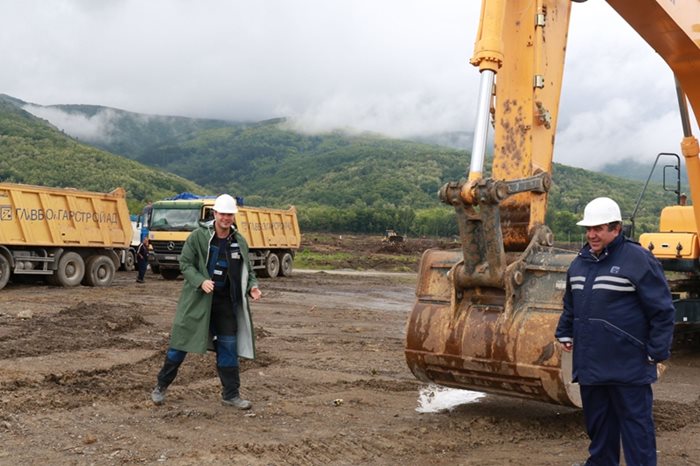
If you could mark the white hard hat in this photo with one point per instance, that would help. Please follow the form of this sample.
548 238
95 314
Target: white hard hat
600 211
225 204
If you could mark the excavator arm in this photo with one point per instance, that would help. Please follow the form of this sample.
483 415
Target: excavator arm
523 44
485 316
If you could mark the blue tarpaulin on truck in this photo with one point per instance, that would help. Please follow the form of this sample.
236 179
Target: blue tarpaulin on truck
187 195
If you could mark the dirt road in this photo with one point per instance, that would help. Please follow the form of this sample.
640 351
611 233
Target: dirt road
330 386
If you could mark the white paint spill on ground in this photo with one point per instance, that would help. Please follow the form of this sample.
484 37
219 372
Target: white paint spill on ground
436 399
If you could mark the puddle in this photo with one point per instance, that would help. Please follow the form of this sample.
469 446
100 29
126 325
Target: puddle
436 399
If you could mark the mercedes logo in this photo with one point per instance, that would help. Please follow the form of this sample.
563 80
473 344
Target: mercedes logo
171 246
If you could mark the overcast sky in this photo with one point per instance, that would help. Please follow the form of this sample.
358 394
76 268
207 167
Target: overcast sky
399 67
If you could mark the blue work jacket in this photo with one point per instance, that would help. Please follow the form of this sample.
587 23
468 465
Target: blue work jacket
618 313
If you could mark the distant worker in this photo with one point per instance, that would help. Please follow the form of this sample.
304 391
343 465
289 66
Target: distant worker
618 318
142 259
683 199
213 305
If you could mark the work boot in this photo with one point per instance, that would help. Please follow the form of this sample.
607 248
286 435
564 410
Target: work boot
231 383
158 394
237 402
165 378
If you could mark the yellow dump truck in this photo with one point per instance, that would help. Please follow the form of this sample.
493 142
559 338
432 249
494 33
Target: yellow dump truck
272 234
66 235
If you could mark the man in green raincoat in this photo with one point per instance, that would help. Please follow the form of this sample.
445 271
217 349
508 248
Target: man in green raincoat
213 305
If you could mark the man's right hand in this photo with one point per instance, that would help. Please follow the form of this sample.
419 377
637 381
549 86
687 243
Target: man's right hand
566 346
207 286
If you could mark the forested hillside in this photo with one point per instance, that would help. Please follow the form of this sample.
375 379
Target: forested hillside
338 181
276 164
34 152
133 135
355 182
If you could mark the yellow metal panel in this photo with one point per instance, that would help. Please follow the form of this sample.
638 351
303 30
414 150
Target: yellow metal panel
672 29
671 245
54 217
528 89
677 219
269 228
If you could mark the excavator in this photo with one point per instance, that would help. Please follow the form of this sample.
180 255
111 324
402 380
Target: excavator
485 315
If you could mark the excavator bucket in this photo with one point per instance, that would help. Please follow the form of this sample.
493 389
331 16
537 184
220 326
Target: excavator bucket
489 339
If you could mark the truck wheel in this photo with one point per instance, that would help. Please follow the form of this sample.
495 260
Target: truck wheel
4 271
170 274
71 269
129 262
272 266
286 264
99 271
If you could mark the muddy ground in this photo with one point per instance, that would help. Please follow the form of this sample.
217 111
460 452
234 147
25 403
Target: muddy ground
329 386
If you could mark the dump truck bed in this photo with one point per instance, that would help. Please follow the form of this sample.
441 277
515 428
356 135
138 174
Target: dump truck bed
269 228
60 217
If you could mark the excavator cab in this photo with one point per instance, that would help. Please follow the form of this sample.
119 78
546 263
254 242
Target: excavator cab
485 315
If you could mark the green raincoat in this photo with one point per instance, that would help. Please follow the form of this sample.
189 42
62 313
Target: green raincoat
190 330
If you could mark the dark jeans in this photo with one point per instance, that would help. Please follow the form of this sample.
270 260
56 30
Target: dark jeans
142 266
226 352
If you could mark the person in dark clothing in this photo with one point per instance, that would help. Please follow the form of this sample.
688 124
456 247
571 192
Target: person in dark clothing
142 259
618 319
213 307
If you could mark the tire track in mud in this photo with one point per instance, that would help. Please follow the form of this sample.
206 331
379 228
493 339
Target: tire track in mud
338 449
364 443
671 416
82 326
81 354
286 387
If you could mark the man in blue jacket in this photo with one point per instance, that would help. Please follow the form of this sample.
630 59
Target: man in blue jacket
618 319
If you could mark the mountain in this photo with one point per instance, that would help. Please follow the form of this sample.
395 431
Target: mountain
338 181
666 168
276 163
454 139
32 151
118 131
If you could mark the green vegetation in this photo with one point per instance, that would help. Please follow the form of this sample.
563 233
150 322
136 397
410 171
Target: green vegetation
275 164
133 135
359 183
360 261
33 152
321 260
